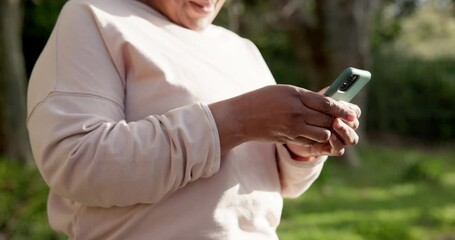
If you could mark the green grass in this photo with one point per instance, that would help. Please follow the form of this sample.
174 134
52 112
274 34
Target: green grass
397 193
23 203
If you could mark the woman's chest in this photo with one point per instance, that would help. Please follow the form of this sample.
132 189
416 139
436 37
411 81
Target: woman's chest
170 74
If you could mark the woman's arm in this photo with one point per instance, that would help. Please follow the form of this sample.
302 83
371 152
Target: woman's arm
85 149
310 125
279 113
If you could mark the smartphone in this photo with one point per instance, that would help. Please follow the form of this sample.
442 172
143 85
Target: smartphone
348 84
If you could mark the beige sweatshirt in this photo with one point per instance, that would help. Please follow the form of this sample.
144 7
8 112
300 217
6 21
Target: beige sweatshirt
121 131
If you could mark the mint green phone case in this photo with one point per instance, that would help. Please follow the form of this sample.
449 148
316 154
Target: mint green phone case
348 84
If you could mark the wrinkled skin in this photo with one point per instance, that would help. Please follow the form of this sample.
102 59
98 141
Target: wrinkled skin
309 123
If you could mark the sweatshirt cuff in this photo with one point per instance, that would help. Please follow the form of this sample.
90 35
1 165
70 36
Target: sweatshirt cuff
215 135
195 139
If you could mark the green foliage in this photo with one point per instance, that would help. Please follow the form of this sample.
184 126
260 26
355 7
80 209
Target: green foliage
276 48
367 203
413 98
383 230
372 202
387 24
430 171
427 34
413 74
40 15
412 88
258 23
39 20
23 203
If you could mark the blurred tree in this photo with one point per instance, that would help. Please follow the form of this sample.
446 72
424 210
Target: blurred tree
414 53
427 33
328 36
13 135
39 20
387 23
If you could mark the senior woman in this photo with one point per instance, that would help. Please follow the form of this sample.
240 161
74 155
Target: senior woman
148 122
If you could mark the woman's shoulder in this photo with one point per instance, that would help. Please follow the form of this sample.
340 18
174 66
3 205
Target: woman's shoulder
113 6
97 2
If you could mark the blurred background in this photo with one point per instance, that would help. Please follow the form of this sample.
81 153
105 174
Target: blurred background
397 184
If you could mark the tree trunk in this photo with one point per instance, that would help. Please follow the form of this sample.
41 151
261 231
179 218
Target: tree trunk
329 36
234 11
14 144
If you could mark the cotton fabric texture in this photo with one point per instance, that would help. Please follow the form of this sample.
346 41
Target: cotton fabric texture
121 131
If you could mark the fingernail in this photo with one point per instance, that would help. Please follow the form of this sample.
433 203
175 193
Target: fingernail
351 116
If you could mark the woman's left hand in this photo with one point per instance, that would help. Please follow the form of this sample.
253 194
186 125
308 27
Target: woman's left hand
343 135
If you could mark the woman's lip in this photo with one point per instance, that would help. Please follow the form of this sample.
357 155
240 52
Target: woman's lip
201 7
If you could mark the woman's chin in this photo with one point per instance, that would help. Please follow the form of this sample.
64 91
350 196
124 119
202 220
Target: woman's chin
199 25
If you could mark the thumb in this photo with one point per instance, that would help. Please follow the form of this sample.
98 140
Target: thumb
327 105
322 91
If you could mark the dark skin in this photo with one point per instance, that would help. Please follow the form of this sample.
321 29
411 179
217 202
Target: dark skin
311 124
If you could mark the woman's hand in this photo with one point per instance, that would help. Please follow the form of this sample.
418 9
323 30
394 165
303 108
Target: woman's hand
343 135
284 113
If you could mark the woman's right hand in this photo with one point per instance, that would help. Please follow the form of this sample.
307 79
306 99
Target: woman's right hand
278 113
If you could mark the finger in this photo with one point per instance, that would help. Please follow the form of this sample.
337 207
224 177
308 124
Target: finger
327 105
346 134
356 109
316 134
304 141
318 149
322 91
337 146
354 124
318 119
321 149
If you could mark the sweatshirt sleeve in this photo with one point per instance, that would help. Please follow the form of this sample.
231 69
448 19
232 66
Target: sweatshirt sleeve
85 149
296 177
